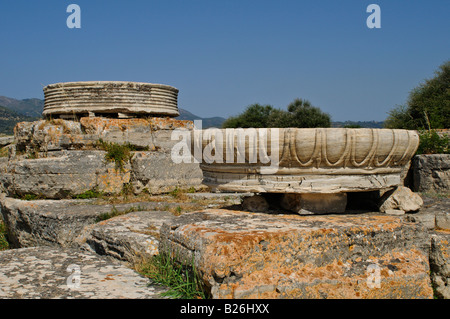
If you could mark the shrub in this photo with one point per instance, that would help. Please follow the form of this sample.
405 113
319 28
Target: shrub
432 143
428 105
3 241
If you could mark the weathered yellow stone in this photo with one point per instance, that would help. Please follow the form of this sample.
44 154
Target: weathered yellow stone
253 255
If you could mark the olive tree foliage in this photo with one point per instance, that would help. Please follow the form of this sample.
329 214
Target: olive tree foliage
428 105
300 113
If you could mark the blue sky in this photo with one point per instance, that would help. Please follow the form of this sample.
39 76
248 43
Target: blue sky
225 55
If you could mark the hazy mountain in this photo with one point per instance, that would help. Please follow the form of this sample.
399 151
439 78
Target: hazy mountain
206 122
9 119
32 108
27 107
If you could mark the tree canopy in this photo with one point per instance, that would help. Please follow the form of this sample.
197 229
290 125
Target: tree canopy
428 105
300 113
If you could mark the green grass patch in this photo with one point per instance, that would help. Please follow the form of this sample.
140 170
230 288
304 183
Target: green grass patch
4 152
120 154
92 193
4 245
184 282
29 197
115 212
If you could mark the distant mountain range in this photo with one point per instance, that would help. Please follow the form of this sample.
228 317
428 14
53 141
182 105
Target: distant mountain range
27 107
13 111
206 121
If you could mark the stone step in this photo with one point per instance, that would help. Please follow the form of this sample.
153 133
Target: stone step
50 273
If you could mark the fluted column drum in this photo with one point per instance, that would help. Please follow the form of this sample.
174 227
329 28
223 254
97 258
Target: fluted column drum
104 97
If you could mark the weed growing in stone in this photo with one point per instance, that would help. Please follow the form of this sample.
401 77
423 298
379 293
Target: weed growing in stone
4 152
120 154
4 245
91 193
184 282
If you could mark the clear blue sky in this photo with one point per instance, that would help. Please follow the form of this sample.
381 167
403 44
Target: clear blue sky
224 55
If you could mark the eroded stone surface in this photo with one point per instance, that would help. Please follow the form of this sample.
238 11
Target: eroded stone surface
440 264
250 255
50 273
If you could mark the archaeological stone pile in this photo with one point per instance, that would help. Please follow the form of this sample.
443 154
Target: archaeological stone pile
313 213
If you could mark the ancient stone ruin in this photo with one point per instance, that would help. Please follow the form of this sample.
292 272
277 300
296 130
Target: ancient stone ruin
277 224
64 155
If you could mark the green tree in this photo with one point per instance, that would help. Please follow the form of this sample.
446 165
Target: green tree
256 115
300 113
303 114
428 105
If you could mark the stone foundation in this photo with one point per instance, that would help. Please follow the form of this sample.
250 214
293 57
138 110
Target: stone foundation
62 159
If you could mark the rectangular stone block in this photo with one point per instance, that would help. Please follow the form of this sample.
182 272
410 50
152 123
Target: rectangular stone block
431 173
157 173
253 255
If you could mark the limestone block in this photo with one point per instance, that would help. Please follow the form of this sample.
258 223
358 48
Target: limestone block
72 173
431 173
443 220
46 222
157 173
242 255
57 134
402 198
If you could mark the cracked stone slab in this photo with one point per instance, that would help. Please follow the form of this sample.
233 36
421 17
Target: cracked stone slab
54 273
